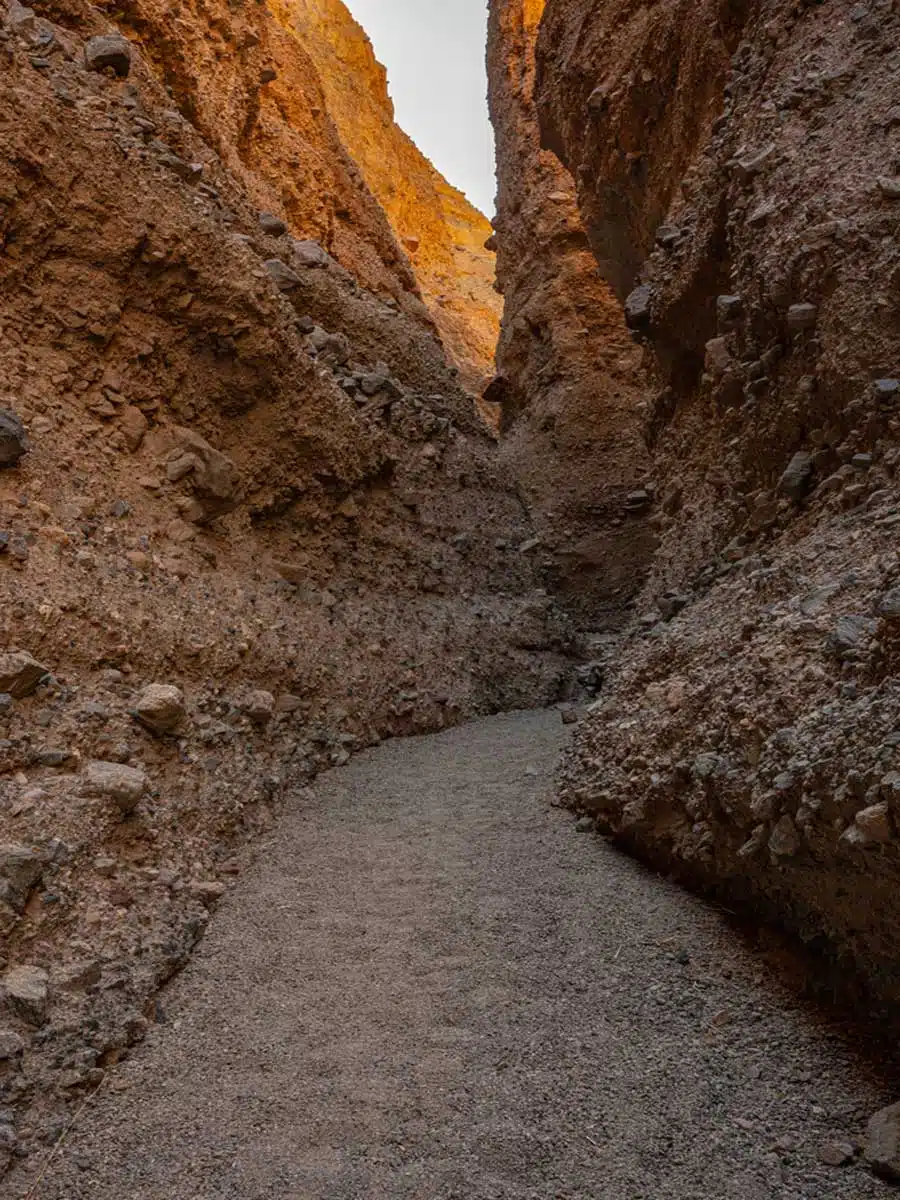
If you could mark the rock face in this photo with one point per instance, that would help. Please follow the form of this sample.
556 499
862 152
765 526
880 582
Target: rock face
291 98
567 388
258 527
440 233
748 740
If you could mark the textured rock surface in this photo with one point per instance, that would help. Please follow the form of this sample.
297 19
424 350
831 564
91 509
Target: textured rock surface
728 159
230 489
567 387
439 231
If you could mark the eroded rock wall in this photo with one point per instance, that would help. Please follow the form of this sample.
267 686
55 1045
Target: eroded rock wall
442 234
251 477
738 169
567 368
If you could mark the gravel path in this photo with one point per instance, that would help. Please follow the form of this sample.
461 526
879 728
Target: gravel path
428 985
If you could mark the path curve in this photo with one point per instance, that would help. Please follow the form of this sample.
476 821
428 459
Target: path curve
429 986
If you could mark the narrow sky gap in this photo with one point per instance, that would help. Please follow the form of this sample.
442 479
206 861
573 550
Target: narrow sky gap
434 51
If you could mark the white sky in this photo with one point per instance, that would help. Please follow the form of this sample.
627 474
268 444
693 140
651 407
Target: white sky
434 51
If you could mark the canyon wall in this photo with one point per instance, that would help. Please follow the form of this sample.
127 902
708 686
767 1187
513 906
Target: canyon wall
249 519
738 176
566 383
442 234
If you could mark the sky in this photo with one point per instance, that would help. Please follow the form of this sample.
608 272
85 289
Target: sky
434 52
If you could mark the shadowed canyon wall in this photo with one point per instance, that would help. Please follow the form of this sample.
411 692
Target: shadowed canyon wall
737 169
567 368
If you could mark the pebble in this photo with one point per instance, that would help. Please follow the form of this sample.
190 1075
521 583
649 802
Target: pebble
11 1045
836 1154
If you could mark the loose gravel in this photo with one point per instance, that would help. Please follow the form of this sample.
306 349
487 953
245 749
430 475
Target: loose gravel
429 985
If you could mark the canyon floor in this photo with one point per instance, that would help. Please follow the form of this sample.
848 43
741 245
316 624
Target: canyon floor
430 982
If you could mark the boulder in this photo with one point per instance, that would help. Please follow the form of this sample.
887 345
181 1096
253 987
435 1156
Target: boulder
114 781
160 708
20 674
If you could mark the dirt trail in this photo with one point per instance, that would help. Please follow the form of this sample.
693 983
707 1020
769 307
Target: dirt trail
429 985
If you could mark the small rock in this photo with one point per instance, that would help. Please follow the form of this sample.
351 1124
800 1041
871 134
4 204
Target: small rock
20 674
21 867
569 715
109 51
260 706
802 316
887 391
882 1150
638 307
784 840
11 1045
889 604
310 254
861 462
871 826
848 635
134 426
208 892
160 707
6 703
13 442
281 274
268 75
24 990
889 187
272 225
836 1154
585 825
729 308
114 781
796 480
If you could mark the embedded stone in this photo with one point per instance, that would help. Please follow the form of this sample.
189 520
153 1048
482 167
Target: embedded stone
160 708
109 51
114 781
20 674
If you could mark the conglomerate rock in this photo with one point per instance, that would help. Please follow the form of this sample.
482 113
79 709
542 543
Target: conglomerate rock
729 160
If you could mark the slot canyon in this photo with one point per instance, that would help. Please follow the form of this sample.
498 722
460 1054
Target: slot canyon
450 662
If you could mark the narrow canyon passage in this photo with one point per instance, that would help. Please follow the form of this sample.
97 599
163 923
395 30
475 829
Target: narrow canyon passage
430 984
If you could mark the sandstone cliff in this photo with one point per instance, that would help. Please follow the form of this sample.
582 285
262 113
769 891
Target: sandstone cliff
737 169
567 368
